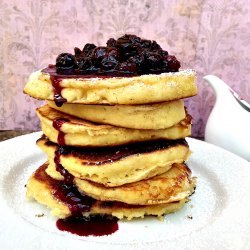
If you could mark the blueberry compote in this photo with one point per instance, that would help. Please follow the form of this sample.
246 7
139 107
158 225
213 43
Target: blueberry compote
97 225
127 56
66 193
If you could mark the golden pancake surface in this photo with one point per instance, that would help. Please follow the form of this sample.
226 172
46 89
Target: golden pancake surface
150 116
116 166
174 185
79 132
42 188
116 90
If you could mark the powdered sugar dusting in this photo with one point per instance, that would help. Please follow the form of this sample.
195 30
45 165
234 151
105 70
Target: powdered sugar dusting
183 72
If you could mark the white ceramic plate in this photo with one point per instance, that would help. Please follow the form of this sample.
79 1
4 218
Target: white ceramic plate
218 216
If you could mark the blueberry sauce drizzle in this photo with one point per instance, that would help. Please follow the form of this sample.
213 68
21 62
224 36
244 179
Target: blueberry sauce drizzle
68 193
68 178
57 124
56 83
77 203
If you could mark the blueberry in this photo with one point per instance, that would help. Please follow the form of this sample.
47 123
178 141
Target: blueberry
155 46
123 43
153 60
127 67
65 60
114 53
146 43
134 39
139 60
65 63
108 63
99 53
162 52
88 48
111 42
106 57
126 42
171 63
77 51
84 64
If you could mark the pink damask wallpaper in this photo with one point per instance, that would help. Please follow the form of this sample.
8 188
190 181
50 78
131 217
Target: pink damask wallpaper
212 37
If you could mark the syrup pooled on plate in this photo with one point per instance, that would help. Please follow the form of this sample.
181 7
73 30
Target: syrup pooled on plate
77 203
95 225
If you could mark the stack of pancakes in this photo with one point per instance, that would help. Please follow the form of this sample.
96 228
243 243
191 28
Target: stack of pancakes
117 142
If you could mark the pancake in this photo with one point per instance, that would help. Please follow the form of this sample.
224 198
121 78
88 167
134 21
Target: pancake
174 185
114 90
79 132
114 166
154 116
44 190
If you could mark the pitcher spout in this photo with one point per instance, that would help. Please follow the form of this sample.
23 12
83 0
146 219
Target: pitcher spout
217 85
228 123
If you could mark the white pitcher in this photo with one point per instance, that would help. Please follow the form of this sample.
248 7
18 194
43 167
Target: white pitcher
228 125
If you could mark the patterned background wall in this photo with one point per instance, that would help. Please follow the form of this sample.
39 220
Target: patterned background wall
212 37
